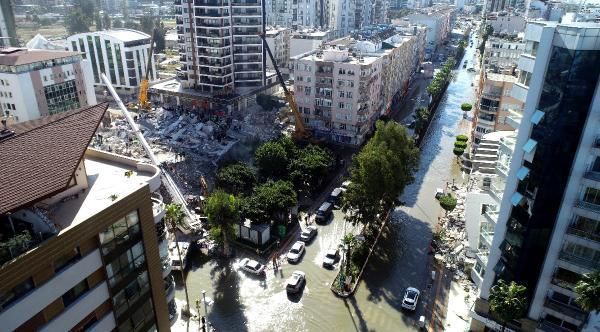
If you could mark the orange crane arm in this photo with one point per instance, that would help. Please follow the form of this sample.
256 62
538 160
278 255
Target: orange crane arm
299 122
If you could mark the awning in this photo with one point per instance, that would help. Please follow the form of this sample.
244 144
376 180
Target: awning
537 117
522 173
516 199
530 145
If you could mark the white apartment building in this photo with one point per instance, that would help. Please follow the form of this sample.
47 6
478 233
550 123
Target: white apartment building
295 14
437 19
502 53
219 45
278 40
307 41
510 24
35 83
547 225
121 54
343 89
341 17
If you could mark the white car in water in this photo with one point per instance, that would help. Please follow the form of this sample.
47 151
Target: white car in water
295 282
331 257
297 250
308 234
411 297
252 266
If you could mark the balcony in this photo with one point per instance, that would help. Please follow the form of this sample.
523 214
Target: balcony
213 33
211 23
165 263
248 3
586 263
587 206
169 288
496 193
547 326
212 13
508 144
211 3
565 309
158 208
238 32
487 237
491 216
245 12
213 43
591 175
583 234
514 119
563 283
214 53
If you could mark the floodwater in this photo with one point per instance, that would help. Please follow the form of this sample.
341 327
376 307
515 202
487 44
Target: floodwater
245 303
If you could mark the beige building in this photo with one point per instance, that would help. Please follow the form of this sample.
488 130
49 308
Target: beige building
342 90
80 232
496 105
278 40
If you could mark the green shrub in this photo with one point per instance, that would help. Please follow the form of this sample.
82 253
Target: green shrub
460 145
462 138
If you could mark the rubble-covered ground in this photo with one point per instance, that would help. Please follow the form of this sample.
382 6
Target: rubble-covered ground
189 144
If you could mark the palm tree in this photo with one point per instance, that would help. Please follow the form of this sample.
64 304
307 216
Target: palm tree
173 218
348 243
223 211
508 301
588 289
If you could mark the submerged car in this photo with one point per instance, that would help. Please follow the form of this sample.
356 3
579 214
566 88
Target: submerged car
252 266
295 282
330 258
297 250
308 234
411 297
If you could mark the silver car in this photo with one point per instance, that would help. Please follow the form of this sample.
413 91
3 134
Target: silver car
293 256
295 282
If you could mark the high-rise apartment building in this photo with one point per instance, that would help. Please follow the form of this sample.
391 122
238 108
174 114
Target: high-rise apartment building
35 83
219 45
121 54
547 223
340 17
80 232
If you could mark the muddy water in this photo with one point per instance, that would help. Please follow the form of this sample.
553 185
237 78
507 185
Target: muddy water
244 303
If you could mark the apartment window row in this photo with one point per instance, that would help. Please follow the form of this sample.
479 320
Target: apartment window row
9 106
325 92
525 78
119 232
304 67
6 94
126 263
4 82
343 116
66 74
345 83
323 102
128 296
61 97
345 106
16 293
345 94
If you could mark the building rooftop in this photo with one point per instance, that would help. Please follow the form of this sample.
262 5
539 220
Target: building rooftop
20 56
124 35
273 31
41 158
310 34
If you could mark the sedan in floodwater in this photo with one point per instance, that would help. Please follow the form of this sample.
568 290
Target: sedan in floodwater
411 296
308 234
252 266
296 252
295 282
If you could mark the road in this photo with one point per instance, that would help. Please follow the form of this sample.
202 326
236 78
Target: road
245 303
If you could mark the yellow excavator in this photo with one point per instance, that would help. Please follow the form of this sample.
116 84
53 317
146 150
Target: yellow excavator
144 103
300 132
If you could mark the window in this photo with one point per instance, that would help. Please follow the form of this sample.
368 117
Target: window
592 195
307 90
67 259
16 293
74 293
61 97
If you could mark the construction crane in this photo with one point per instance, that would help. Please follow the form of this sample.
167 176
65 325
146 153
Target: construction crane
167 180
300 132
143 101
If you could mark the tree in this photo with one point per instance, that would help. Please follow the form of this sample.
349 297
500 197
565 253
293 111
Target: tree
271 159
147 24
272 199
508 301
421 120
466 107
310 167
458 152
238 178
117 24
348 244
462 138
588 289
159 38
98 21
447 202
106 21
460 145
223 211
174 217
77 22
379 173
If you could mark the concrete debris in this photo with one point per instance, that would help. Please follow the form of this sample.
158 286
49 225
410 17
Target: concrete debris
189 144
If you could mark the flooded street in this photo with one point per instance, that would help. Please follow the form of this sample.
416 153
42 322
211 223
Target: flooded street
246 303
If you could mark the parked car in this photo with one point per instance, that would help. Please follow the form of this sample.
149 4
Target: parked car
295 282
296 252
324 212
308 234
345 184
411 297
252 266
335 196
331 257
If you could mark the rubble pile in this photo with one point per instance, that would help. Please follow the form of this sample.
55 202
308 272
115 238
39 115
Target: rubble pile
189 144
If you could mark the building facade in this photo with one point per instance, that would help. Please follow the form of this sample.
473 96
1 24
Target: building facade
79 254
341 17
437 20
546 232
510 24
278 40
307 41
502 53
35 83
219 45
121 54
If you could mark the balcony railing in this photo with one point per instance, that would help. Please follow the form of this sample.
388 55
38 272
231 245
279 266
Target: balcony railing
584 262
216 3
591 175
583 234
565 309
245 2
562 283
587 206
547 326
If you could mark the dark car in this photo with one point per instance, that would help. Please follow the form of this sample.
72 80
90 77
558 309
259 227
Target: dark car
324 212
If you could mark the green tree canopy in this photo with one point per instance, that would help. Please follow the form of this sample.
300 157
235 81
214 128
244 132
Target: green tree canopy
462 138
174 217
458 152
117 24
379 173
460 145
447 202
310 167
271 159
508 301
223 212
238 178
270 200
466 107
98 20
106 22
588 289
77 22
